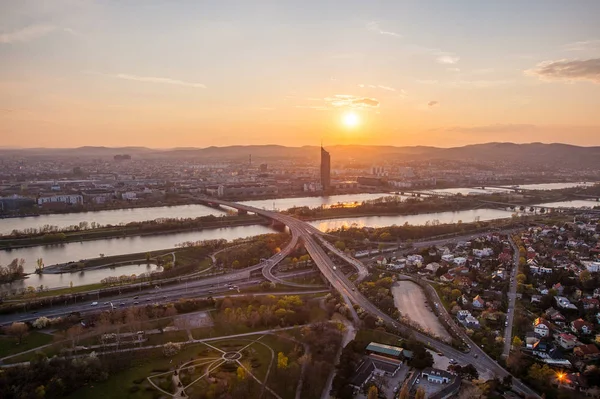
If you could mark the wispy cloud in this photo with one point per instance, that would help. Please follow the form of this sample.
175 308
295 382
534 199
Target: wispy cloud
567 70
582 45
347 100
152 79
447 59
343 101
374 27
433 103
382 87
26 34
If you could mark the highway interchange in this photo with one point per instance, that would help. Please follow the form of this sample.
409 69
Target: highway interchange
302 233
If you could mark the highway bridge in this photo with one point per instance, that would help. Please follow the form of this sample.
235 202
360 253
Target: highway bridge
308 235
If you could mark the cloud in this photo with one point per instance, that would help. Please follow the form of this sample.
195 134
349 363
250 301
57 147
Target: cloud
432 103
582 45
346 100
374 27
386 88
567 70
151 79
494 128
447 59
26 34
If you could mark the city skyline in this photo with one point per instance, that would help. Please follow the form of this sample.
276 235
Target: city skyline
92 73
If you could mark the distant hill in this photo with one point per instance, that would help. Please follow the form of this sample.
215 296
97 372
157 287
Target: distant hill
550 155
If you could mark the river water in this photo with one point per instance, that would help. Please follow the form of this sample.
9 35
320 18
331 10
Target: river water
74 251
63 253
118 216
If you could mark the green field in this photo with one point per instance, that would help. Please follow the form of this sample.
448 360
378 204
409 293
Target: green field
8 345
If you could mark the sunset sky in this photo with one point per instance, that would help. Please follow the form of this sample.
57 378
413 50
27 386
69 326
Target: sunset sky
166 73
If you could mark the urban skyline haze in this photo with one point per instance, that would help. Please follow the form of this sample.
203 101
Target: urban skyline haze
198 73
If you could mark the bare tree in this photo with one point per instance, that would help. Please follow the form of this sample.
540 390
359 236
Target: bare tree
18 330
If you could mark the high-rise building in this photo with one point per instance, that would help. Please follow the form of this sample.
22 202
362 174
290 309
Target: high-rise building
325 169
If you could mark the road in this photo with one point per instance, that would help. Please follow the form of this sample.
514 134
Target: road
348 291
212 286
512 299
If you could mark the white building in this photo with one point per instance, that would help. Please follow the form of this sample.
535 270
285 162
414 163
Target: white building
66 199
129 195
592 267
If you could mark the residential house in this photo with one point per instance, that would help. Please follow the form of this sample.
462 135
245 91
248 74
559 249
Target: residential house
559 288
460 261
587 352
567 341
448 258
596 293
590 303
564 303
536 298
478 302
541 327
471 322
432 267
447 278
463 300
463 314
554 315
581 326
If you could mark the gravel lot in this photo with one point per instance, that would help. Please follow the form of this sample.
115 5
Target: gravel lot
411 302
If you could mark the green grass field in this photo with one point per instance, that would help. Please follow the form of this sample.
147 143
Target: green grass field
8 345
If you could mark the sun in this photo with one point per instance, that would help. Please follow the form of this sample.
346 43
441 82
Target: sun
350 119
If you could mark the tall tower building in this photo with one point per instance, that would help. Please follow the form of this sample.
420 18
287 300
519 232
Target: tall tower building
325 169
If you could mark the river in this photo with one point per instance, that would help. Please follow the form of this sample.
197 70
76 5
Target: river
74 251
118 216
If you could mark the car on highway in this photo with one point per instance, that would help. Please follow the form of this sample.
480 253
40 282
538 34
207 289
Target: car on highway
105 303
136 297
94 303
122 304
136 303
334 268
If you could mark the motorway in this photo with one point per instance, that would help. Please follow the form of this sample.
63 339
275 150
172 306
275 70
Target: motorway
212 286
512 299
347 290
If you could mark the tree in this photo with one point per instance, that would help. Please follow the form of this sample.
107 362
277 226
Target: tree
282 361
404 392
420 394
171 349
18 330
517 342
373 392
585 276
235 264
340 245
521 278
241 373
41 322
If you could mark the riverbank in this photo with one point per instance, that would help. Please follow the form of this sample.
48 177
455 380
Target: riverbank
107 261
8 243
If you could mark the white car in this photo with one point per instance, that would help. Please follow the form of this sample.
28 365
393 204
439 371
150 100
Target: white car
94 303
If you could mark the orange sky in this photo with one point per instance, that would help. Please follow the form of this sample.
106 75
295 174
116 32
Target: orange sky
161 74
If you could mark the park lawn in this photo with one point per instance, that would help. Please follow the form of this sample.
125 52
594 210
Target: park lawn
118 385
8 345
168 336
